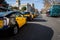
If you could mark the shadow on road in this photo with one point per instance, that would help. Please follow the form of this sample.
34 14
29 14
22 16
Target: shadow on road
54 17
39 20
32 31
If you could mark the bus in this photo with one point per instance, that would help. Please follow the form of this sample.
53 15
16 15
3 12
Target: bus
54 10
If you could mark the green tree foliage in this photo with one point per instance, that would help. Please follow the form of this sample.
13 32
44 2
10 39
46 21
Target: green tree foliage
23 8
14 8
3 3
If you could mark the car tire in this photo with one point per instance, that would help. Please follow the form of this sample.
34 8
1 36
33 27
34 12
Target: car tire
31 18
15 30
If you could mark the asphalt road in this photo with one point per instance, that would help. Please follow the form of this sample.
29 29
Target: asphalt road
41 28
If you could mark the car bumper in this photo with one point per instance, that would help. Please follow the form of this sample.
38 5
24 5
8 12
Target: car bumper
5 32
4 28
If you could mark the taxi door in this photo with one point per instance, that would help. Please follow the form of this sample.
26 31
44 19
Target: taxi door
19 20
23 20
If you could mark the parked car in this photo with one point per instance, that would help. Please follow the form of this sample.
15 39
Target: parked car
12 20
36 14
28 15
54 11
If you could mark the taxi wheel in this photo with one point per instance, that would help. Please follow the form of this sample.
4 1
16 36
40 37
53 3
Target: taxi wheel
15 30
31 18
14 26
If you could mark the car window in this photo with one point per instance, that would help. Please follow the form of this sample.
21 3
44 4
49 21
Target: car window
26 12
18 14
12 15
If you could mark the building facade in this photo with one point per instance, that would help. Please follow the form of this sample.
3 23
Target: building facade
18 3
29 7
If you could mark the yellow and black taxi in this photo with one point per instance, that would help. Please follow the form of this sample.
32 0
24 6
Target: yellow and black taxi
28 15
36 14
12 20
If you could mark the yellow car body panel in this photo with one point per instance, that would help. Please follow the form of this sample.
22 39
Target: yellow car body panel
27 15
32 16
35 15
21 21
1 23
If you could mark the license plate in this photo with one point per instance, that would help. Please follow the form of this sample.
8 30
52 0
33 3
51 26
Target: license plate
1 23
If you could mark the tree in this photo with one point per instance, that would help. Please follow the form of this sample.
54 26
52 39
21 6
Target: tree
14 8
3 3
23 8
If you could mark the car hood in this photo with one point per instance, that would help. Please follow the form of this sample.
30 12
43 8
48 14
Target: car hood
2 14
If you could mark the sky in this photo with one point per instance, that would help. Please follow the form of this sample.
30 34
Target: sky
38 3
